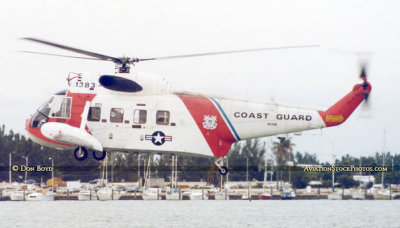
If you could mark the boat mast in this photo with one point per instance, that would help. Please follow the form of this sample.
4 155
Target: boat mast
383 159
265 174
9 165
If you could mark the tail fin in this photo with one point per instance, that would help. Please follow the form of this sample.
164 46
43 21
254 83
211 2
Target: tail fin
341 110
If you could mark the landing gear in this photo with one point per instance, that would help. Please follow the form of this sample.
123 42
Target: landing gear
80 153
99 155
223 170
220 164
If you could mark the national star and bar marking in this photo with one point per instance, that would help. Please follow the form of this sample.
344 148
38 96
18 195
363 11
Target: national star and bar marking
158 138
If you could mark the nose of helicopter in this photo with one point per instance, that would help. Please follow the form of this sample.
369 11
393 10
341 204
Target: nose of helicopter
33 133
28 123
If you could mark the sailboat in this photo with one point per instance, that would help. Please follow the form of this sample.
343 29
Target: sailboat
41 195
382 193
18 195
334 195
107 192
198 195
87 194
173 192
287 192
149 193
358 194
265 195
221 195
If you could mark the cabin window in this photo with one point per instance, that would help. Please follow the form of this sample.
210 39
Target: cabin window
94 114
162 117
139 116
61 107
116 115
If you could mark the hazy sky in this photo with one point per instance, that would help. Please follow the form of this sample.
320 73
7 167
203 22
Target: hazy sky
315 77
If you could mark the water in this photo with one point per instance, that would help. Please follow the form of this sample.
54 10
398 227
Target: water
134 213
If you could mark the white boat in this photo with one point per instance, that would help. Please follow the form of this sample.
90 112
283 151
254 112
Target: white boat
172 194
108 193
198 195
41 195
288 195
245 196
17 195
87 194
335 196
358 195
382 194
8 191
221 196
150 194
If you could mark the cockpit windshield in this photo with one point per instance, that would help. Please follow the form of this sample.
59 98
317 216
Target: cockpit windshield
58 106
45 108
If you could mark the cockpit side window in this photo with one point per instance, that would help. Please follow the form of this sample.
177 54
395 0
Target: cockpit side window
117 115
94 114
61 107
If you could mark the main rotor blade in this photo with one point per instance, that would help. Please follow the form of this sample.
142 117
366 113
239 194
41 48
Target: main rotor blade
68 56
92 54
224 52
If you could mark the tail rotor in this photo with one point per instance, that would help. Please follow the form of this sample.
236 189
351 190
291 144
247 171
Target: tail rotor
364 64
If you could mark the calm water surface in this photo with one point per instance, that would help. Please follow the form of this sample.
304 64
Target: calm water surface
274 213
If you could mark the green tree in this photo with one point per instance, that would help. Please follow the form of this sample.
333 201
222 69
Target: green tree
282 150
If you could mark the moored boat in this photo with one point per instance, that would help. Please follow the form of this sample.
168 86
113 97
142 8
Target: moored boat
17 195
108 193
358 195
221 196
172 194
382 194
40 195
265 196
198 195
335 196
87 194
288 195
150 194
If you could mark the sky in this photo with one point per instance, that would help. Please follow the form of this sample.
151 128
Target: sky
315 77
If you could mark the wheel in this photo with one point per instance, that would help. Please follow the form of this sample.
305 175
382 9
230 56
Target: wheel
99 155
223 170
80 153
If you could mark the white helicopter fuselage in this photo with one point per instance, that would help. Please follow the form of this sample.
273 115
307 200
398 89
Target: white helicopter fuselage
157 120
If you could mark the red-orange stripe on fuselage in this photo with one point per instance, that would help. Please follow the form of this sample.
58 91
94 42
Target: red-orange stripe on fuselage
220 138
78 105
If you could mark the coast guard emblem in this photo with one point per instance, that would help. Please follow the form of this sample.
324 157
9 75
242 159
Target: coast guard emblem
210 122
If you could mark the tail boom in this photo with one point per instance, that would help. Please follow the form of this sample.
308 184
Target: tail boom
341 110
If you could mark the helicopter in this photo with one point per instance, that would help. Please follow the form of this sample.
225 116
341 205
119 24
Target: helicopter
135 112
